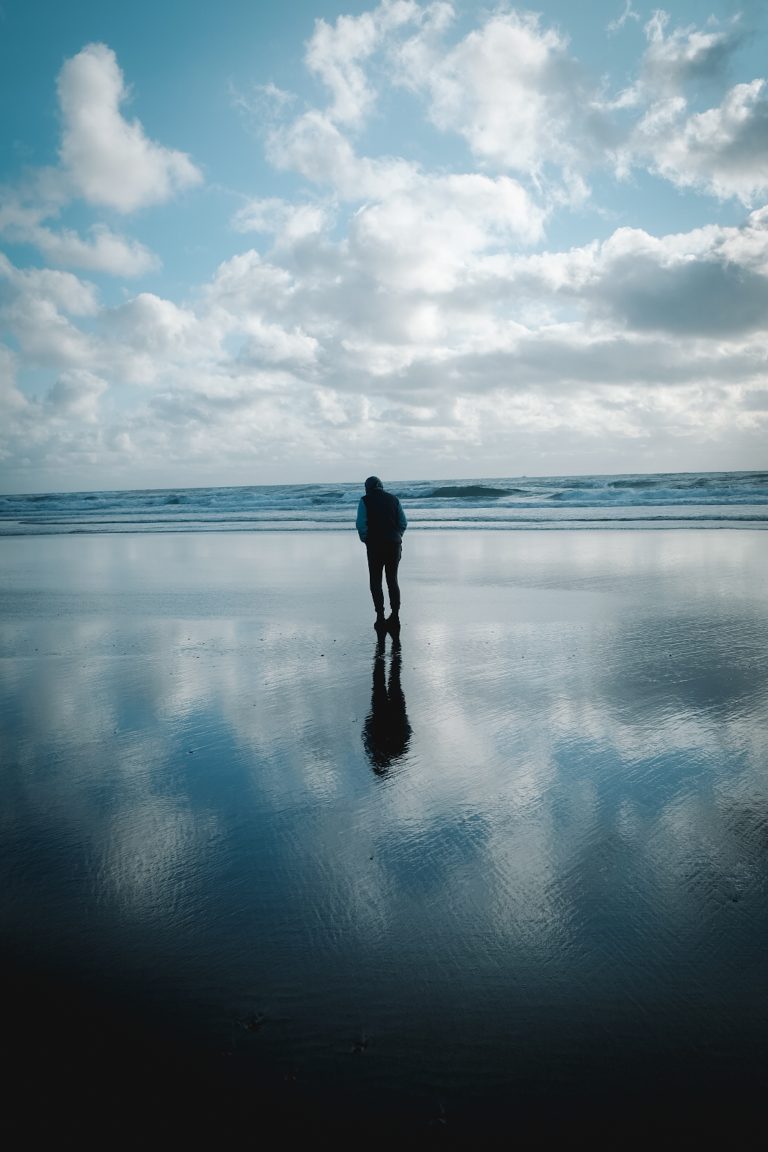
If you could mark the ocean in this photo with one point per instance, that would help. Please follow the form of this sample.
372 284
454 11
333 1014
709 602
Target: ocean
672 500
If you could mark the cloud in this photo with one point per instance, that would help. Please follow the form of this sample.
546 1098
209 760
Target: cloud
33 304
720 151
424 239
675 59
272 344
423 333
62 289
723 151
627 15
247 282
262 102
706 282
315 148
154 325
234 330
403 305
708 298
103 250
108 159
337 53
510 89
149 341
290 224
757 400
45 337
11 399
77 393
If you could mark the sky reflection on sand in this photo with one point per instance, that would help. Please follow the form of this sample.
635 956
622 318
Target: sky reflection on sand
567 807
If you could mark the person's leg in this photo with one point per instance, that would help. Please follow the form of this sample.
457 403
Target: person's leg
375 569
391 564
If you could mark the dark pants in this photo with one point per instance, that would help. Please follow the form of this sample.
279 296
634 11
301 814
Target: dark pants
384 558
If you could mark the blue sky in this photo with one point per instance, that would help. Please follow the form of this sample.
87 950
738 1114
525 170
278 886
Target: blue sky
257 243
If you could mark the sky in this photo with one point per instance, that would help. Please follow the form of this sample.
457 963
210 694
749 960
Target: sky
256 243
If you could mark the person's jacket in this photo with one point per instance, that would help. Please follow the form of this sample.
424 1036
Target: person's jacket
380 518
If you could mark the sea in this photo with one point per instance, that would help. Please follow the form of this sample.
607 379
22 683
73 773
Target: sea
663 500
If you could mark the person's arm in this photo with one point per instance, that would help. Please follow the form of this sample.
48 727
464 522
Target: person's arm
362 520
402 523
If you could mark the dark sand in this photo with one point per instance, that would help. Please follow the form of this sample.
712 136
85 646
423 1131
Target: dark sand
512 877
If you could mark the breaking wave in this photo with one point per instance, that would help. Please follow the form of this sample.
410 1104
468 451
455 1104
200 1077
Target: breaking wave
531 502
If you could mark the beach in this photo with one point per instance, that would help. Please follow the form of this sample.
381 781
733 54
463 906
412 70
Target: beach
509 867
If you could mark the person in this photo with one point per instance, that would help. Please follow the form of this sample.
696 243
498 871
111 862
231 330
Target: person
380 525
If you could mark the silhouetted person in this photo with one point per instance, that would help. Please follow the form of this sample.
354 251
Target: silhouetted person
386 731
380 525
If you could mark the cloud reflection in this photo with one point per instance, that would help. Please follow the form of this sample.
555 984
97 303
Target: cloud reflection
586 787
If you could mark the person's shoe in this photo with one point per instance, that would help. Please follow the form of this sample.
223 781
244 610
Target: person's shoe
393 622
379 622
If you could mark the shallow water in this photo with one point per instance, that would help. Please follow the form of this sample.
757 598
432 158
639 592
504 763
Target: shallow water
519 857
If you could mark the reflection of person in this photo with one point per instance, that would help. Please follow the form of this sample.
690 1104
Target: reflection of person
386 732
380 525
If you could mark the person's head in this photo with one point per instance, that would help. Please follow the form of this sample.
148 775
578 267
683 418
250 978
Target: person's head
372 483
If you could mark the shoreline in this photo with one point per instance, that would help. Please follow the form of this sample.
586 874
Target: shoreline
704 519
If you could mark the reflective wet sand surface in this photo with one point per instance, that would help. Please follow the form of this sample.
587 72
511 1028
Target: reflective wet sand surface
507 868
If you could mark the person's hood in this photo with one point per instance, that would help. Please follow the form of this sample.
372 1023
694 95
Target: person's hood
372 483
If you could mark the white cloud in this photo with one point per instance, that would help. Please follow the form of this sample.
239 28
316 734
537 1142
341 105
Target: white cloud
627 15
64 290
44 336
151 323
690 284
247 281
723 151
32 307
337 54
423 240
77 393
23 213
720 151
705 282
148 340
409 349
273 344
509 88
290 224
105 159
315 148
673 60
399 306
262 102
108 159
231 333
103 251
11 399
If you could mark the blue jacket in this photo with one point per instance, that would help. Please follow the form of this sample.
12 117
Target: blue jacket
380 518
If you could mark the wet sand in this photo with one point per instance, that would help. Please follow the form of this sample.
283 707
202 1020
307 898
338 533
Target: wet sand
509 870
